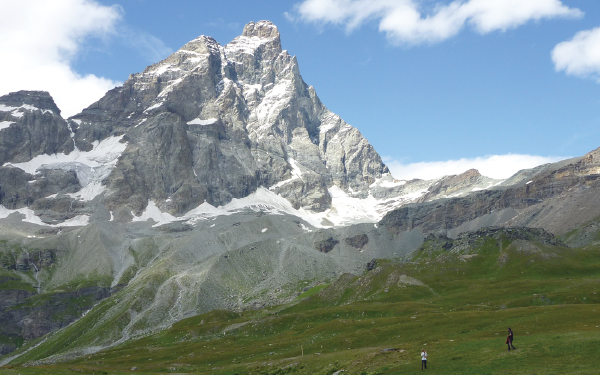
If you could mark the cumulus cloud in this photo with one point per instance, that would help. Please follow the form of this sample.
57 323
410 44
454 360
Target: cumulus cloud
40 39
579 56
407 22
495 166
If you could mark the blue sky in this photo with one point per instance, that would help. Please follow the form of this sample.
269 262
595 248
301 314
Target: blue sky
436 86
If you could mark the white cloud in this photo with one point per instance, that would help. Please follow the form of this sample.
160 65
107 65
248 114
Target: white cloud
40 39
495 166
579 56
405 22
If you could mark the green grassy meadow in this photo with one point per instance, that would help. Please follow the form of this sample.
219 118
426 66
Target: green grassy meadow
456 306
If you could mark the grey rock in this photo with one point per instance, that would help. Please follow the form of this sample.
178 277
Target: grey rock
20 189
12 297
37 127
6 348
34 317
327 245
358 241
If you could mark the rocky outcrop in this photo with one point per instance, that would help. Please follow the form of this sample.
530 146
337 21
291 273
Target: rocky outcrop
33 260
20 189
12 297
473 242
30 316
358 241
449 185
25 313
31 128
327 245
31 125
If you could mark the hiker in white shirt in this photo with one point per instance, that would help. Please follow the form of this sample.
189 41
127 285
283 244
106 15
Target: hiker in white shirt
423 359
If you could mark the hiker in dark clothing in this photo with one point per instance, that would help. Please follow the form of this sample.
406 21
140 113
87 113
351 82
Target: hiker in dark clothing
509 339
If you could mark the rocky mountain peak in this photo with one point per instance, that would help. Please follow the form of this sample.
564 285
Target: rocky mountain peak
261 29
31 125
30 100
471 173
256 51
592 157
202 45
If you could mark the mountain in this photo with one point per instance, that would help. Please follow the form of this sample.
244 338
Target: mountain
216 179
211 123
208 124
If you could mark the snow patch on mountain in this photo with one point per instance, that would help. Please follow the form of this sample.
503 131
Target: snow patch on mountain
162 69
15 110
152 212
345 210
77 221
205 209
103 153
91 166
170 87
274 101
296 174
31 217
387 181
89 191
6 124
245 44
198 121
154 106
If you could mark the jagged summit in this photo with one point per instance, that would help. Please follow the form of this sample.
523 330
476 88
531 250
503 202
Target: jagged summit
236 118
261 29
30 124
30 100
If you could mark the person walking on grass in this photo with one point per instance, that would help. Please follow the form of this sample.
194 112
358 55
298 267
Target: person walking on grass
509 339
423 360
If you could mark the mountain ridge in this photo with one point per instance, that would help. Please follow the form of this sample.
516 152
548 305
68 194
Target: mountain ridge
209 124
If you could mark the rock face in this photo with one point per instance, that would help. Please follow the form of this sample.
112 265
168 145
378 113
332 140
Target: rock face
327 245
358 241
25 312
211 123
25 316
31 125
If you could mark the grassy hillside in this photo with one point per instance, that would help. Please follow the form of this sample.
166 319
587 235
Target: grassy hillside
455 298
